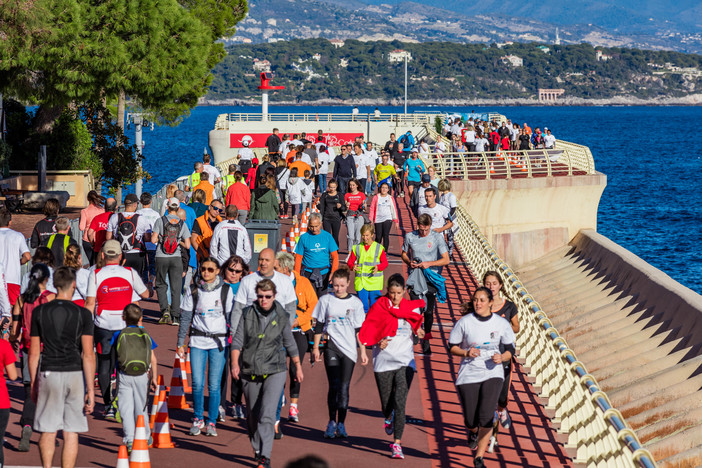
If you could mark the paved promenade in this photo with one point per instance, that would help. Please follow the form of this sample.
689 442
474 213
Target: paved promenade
434 437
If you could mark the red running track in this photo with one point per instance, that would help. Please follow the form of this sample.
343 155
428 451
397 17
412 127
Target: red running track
434 436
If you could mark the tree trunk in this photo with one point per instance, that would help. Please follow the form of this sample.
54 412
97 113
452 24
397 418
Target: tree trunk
45 118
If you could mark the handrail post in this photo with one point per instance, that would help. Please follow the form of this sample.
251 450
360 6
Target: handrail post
508 169
548 165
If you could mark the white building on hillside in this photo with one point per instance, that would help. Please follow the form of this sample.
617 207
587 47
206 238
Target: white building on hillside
398 55
513 60
337 43
261 65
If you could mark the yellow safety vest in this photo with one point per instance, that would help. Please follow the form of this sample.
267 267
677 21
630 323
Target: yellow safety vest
227 181
368 259
193 179
66 241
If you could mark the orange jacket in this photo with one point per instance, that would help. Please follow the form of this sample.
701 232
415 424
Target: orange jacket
239 194
301 167
208 188
203 250
306 301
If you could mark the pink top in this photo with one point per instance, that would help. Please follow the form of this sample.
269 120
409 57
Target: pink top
86 217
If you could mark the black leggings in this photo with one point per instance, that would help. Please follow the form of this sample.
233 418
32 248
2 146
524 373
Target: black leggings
285 202
429 309
382 233
397 184
479 402
332 226
4 419
393 388
504 394
339 371
105 363
302 346
237 389
89 253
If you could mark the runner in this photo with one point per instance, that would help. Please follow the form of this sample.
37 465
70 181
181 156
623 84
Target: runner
368 261
316 255
45 227
13 254
129 228
339 316
413 168
97 231
477 338
390 327
95 207
331 208
7 361
206 305
355 201
383 212
507 310
258 358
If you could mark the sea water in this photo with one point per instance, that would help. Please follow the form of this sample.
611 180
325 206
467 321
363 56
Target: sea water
652 157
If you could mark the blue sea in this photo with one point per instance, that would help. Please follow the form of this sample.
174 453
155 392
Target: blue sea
652 205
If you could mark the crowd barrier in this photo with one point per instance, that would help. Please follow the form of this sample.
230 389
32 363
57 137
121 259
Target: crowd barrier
597 431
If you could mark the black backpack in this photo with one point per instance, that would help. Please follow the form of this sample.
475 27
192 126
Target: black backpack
126 232
404 140
134 351
171 231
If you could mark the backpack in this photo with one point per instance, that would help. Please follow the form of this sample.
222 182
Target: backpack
126 232
134 351
27 309
169 240
404 140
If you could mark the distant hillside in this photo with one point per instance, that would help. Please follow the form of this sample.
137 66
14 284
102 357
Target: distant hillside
314 69
606 24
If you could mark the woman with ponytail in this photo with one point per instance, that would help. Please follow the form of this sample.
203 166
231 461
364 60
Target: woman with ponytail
74 260
35 295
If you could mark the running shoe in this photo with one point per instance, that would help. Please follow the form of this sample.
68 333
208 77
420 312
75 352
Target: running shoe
222 416
472 440
165 319
25 440
264 462
294 414
505 420
175 321
239 412
478 462
390 424
330 433
111 413
341 431
396 451
278 431
211 430
129 445
197 427
426 348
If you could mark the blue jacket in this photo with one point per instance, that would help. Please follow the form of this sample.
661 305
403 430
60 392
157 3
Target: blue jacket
418 279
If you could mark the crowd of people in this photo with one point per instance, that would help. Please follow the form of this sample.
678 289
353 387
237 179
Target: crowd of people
249 325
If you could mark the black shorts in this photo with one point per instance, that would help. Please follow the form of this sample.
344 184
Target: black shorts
414 184
479 402
103 340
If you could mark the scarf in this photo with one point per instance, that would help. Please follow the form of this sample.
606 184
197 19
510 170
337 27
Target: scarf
209 287
382 319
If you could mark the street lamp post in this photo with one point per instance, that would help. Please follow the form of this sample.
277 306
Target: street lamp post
405 83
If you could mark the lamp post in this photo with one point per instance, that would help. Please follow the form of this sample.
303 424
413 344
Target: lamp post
405 83
139 122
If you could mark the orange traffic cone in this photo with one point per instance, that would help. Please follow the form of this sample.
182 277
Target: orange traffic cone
176 397
283 245
184 375
139 457
154 406
161 433
492 168
123 457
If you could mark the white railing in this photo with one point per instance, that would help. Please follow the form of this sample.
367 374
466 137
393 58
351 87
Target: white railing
595 429
222 123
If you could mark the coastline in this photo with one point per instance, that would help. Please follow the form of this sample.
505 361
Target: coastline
689 100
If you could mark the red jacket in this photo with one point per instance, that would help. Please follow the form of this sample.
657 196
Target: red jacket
381 320
238 194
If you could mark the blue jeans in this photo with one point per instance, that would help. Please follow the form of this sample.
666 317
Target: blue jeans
368 298
322 182
198 363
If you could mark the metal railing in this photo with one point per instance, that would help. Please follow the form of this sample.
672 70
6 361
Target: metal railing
223 120
595 429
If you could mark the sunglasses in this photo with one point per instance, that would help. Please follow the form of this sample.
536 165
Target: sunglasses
266 296
232 270
208 269
221 210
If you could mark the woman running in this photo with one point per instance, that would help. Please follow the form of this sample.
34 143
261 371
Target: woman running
507 310
390 327
233 270
355 205
331 207
204 312
368 261
383 212
477 338
339 316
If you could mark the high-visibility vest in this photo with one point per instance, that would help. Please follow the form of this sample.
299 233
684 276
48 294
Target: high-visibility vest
367 259
227 181
193 179
66 240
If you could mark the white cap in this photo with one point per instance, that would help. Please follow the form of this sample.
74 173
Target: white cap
246 140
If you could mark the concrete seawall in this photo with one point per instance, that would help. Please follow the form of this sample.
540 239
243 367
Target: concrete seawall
526 218
638 332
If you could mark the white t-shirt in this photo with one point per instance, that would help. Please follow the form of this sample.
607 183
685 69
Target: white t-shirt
285 294
383 209
372 159
220 246
12 247
549 141
470 332
5 307
341 318
470 136
448 200
439 214
246 154
113 287
440 147
361 165
212 171
82 281
210 316
141 228
324 159
480 144
399 352
150 216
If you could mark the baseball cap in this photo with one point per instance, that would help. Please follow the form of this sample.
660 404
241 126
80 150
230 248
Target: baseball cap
131 198
111 247
426 178
414 150
173 201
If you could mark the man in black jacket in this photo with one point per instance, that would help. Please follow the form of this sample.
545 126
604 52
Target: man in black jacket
273 144
344 169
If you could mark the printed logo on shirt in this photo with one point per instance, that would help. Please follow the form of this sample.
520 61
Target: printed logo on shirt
492 335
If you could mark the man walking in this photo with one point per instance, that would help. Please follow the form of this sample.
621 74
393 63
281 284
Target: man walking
316 255
344 170
13 254
230 238
62 335
128 229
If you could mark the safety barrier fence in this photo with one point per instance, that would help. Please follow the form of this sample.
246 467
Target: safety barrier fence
597 431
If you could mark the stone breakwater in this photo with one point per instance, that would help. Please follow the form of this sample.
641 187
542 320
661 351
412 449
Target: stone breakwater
689 100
